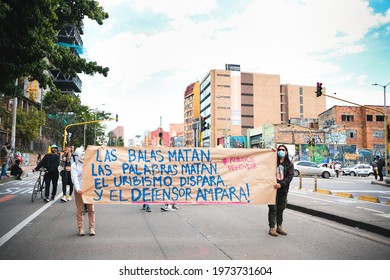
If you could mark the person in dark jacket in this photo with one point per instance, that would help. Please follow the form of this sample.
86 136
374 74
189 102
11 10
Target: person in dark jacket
16 170
50 162
380 163
285 174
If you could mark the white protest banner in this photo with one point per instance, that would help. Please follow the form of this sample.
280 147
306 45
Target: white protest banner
178 175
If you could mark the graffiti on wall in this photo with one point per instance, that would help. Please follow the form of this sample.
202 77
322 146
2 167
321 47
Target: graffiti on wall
336 138
346 154
328 123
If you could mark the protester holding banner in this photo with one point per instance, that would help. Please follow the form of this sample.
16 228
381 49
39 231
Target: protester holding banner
76 173
285 174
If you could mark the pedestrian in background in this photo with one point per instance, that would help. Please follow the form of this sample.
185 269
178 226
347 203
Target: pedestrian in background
77 179
50 162
146 207
285 174
381 163
337 169
16 170
170 207
65 174
39 158
4 156
375 168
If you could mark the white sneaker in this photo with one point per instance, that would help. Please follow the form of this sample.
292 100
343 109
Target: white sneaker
68 197
175 207
63 198
167 207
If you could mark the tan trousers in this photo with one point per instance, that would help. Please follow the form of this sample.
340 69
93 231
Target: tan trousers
80 210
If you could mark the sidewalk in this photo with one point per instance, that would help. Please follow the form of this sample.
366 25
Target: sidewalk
382 183
328 207
27 170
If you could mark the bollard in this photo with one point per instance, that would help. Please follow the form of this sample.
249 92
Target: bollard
315 184
300 181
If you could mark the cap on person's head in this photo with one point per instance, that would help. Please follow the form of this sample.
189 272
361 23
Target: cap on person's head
54 146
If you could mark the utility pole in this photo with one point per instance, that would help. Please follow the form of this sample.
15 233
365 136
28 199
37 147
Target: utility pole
160 133
385 125
14 110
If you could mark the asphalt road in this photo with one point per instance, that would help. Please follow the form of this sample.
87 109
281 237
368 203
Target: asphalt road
39 231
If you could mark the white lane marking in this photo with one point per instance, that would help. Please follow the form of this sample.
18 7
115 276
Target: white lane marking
22 224
383 215
313 198
369 209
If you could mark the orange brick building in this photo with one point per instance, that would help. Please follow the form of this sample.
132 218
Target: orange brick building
363 127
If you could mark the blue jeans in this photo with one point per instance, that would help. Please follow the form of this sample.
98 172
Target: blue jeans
3 169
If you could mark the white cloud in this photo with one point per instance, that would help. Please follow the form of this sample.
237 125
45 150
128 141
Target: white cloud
300 40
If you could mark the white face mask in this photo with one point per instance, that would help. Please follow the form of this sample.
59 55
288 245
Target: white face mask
80 153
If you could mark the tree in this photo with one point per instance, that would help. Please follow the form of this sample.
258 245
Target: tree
28 124
63 110
28 45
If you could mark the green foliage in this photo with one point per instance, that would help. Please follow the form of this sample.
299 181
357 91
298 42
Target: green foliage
63 110
28 45
28 123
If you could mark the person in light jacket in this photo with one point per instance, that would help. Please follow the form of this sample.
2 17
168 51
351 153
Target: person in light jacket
76 174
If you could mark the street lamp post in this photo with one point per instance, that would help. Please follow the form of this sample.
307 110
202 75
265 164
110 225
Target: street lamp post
385 121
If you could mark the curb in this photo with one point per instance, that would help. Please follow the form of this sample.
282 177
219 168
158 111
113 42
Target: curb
341 220
348 195
324 192
382 183
369 198
344 194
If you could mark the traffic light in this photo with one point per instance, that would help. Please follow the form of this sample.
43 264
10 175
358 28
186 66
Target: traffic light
388 133
319 89
116 117
203 124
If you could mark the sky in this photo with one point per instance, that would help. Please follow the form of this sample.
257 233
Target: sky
156 48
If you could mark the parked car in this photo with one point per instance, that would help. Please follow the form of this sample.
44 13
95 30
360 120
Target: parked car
311 168
358 170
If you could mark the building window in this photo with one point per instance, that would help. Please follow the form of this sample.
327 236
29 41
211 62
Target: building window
380 118
351 133
378 134
300 91
347 118
369 118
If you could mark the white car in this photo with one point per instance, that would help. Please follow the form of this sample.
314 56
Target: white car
358 170
311 168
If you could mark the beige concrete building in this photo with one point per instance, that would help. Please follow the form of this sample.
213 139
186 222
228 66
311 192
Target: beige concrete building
231 102
191 114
